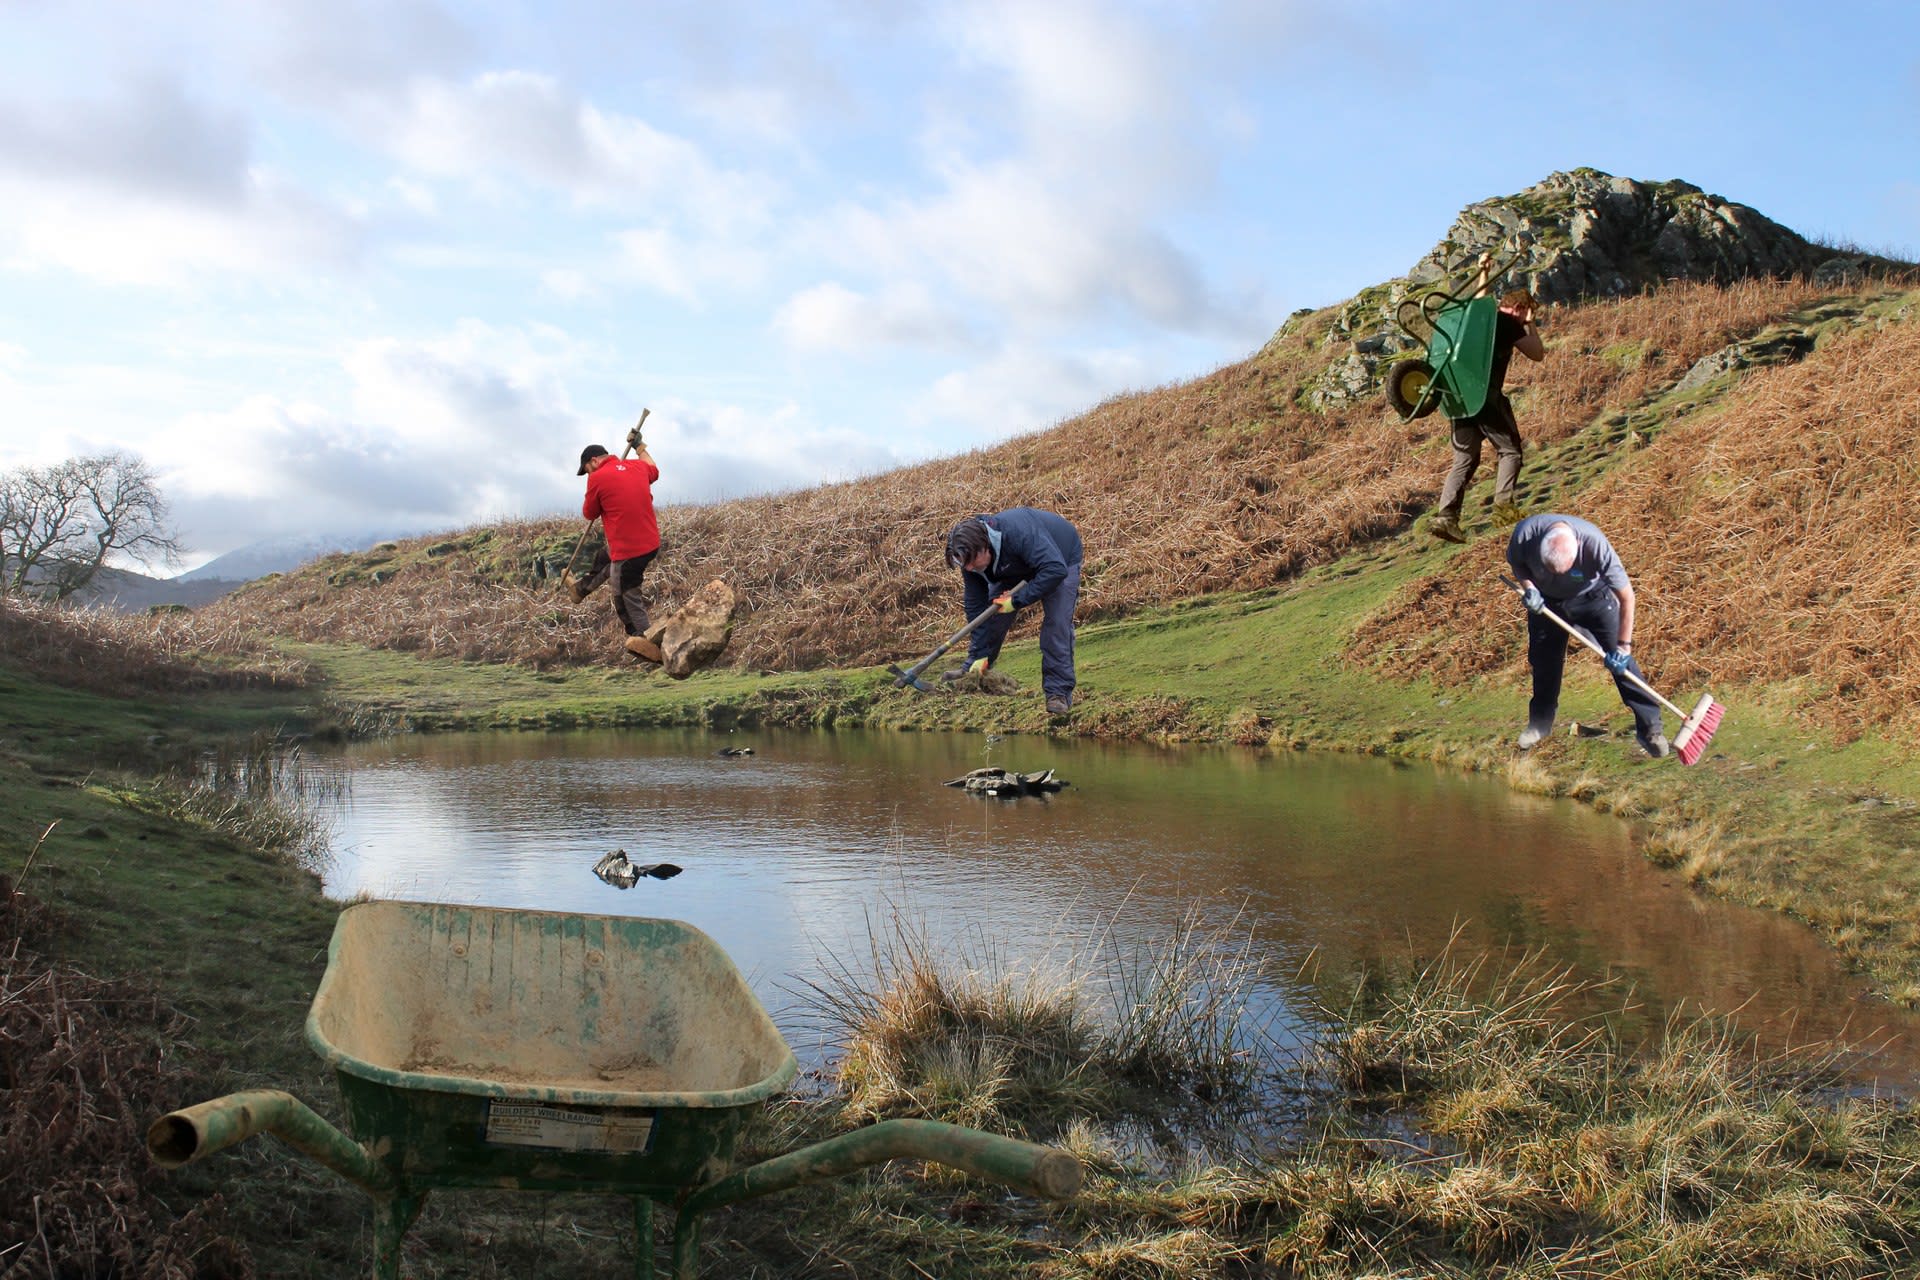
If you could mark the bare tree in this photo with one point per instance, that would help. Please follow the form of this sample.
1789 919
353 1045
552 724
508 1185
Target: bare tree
59 524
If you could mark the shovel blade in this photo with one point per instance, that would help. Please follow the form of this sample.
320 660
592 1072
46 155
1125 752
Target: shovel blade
901 679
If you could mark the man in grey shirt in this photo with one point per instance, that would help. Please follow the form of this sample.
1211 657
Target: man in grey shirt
1567 564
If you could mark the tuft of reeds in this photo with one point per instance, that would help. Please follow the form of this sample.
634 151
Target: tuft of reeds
970 1038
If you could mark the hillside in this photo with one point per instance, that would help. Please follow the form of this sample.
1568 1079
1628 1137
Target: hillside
1244 478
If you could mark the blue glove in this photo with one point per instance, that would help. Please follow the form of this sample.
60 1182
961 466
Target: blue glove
1617 661
1530 596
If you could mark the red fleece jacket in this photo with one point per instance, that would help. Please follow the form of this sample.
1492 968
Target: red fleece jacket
620 492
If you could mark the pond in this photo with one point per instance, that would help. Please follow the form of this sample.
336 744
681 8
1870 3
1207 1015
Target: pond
796 857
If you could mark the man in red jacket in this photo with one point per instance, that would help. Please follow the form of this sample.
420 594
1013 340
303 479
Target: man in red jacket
620 492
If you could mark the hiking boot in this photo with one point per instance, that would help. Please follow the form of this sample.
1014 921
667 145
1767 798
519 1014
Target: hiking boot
1532 736
641 647
1445 527
1654 744
578 590
1506 515
1059 705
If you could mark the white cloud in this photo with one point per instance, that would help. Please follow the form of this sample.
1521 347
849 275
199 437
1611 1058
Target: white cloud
148 186
146 138
1026 389
275 227
685 267
711 450
521 124
832 317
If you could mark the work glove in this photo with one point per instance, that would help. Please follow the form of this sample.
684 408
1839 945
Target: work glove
1005 602
1617 661
1530 596
978 667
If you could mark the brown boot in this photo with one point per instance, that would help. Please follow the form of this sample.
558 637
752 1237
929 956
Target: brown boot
641 647
1445 526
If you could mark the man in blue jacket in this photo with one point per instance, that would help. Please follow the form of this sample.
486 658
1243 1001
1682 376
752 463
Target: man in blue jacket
994 554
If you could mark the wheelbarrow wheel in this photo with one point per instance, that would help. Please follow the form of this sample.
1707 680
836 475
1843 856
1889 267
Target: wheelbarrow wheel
1408 381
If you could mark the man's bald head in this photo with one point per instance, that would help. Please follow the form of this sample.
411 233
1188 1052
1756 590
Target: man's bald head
1559 547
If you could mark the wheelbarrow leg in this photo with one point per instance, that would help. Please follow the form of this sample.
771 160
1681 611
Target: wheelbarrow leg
686 1246
643 1238
392 1215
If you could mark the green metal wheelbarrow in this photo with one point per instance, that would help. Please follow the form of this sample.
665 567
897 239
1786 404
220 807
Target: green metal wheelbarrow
537 1050
1456 369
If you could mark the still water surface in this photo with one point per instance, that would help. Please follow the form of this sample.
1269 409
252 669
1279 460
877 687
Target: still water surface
793 857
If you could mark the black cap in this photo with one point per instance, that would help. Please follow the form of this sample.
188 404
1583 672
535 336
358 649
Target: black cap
587 455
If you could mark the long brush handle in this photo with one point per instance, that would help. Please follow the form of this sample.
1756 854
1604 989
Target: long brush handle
1588 641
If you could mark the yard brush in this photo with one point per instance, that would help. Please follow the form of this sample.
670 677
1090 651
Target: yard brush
1696 729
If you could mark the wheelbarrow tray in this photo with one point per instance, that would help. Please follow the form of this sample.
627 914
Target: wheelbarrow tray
478 1046
1461 353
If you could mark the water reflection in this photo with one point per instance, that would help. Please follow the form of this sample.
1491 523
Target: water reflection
792 855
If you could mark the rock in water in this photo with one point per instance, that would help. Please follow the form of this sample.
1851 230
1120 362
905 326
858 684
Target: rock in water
995 781
697 632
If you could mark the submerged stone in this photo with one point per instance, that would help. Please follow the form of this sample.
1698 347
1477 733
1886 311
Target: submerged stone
996 781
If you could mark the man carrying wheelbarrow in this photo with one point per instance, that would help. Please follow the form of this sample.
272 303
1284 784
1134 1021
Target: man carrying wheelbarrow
620 492
1513 331
1567 564
994 553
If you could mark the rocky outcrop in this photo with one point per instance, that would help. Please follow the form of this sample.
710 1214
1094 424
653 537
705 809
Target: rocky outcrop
1588 234
697 632
1575 236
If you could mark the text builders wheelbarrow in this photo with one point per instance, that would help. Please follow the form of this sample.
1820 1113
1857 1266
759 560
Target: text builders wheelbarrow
1455 372
536 1050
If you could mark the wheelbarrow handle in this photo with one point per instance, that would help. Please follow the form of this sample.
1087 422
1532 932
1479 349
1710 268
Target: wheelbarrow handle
192 1132
1046 1172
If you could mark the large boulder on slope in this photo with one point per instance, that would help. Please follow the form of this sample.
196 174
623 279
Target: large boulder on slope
697 632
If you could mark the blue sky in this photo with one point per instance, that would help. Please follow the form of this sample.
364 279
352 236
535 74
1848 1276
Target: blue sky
343 264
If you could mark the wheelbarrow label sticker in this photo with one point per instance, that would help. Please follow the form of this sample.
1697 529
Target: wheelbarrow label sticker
534 1124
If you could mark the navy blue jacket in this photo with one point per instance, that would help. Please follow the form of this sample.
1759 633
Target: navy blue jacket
1028 543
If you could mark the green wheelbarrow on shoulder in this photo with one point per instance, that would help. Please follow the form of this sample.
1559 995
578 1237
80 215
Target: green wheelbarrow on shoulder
536 1050
1455 371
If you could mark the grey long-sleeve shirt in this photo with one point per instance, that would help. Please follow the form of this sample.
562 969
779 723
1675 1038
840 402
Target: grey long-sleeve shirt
1594 567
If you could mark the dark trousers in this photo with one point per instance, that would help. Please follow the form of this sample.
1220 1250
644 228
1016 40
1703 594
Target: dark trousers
1598 614
1056 635
625 575
1496 425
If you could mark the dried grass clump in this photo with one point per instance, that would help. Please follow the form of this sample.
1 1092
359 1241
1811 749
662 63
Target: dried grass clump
85 1068
971 1039
1224 483
1772 541
107 652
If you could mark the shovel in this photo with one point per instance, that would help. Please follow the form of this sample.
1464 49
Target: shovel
911 676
